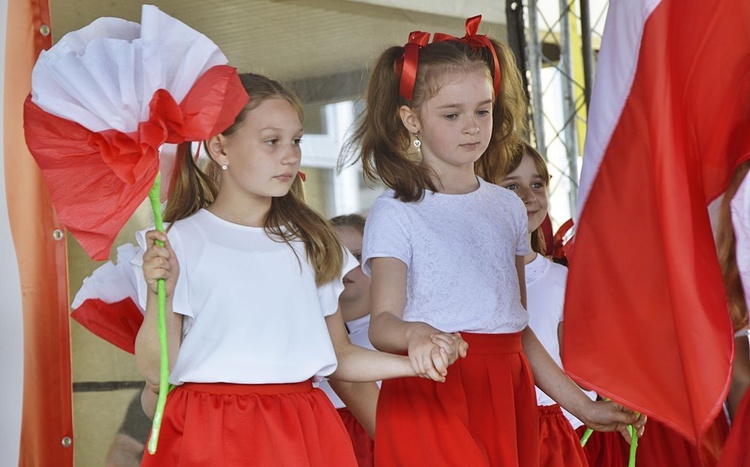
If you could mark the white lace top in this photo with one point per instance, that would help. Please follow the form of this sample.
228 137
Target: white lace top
460 251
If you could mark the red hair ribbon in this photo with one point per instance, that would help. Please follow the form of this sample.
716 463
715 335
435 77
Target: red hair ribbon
560 250
476 41
408 63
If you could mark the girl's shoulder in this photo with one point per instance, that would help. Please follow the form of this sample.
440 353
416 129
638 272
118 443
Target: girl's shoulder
387 202
546 272
556 273
502 198
496 190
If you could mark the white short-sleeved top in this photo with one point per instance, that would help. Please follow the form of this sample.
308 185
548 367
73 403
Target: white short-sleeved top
252 311
545 296
358 334
460 253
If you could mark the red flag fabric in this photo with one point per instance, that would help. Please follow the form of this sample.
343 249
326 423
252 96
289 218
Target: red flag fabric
646 319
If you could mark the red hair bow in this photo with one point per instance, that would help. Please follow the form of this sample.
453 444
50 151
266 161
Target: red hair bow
476 41
561 250
407 65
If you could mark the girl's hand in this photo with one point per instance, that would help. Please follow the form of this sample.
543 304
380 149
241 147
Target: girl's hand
426 357
451 346
608 416
160 262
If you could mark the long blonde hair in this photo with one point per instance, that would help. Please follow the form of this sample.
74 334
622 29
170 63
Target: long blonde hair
726 245
289 217
381 140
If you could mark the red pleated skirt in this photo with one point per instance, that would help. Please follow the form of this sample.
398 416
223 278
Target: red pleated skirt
737 448
483 415
232 425
364 446
558 444
605 449
661 445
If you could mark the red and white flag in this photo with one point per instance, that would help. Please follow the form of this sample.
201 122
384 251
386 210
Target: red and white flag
646 315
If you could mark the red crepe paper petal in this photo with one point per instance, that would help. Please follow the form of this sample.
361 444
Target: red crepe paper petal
97 180
117 323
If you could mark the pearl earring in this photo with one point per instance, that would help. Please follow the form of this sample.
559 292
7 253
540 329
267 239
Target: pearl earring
224 167
417 143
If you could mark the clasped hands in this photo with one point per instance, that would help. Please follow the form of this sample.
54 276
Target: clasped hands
431 352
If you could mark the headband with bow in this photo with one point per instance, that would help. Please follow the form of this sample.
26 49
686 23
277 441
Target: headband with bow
408 63
476 41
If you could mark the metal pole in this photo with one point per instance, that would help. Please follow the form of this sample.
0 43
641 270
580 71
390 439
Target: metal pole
517 38
587 51
535 69
569 107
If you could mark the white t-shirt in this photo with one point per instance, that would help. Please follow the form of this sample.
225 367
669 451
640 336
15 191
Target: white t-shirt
358 334
252 311
460 252
545 296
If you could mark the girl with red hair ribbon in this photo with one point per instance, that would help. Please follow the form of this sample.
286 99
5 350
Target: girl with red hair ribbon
445 249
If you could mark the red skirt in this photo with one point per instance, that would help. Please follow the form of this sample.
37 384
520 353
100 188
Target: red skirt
483 415
660 446
231 425
558 444
605 448
737 448
364 446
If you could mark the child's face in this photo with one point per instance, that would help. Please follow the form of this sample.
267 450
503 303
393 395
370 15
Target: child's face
455 125
528 184
264 154
356 283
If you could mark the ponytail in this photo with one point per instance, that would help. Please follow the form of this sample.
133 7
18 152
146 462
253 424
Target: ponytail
381 138
508 117
190 189
291 217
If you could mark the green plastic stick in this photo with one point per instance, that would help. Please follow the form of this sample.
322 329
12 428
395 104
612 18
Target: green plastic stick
633 442
154 197
633 445
586 436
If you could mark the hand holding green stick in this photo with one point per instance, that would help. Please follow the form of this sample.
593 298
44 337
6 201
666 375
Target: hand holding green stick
161 401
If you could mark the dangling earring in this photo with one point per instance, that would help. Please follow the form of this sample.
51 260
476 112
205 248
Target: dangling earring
417 143
224 167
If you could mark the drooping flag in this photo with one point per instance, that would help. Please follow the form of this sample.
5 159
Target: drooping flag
646 316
